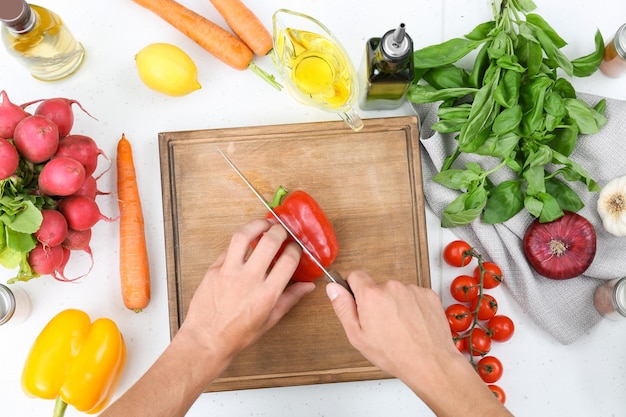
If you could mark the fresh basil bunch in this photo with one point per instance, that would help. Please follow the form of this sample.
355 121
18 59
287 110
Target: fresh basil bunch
511 105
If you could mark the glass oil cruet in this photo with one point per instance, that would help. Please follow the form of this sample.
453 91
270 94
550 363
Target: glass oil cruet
39 40
316 69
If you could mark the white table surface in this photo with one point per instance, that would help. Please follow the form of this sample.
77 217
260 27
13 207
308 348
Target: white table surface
542 377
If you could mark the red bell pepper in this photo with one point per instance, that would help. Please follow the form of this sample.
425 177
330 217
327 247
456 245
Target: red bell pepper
305 218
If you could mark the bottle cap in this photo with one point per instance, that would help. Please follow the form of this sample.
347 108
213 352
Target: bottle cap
396 43
16 14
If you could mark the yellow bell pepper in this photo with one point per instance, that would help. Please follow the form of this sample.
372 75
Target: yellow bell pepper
76 362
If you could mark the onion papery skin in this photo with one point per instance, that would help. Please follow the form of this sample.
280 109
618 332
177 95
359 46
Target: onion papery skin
561 249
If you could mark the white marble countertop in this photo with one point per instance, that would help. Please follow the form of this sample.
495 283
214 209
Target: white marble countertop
542 377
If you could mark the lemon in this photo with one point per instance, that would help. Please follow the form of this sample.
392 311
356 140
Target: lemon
167 69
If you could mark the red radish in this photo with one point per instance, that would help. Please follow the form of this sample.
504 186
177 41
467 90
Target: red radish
561 249
90 188
59 110
10 115
61 177
81 212
53 229
78 240
45 260
82 148
36 138
9 159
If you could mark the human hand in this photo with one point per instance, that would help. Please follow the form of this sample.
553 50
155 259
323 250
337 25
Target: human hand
243 294
394 325
403 330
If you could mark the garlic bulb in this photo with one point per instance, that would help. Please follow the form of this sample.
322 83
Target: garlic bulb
612 206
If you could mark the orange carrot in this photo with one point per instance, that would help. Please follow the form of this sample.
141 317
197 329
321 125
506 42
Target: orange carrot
134 265
217 41
245 24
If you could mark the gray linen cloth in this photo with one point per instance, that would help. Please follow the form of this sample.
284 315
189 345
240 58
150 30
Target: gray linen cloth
564 308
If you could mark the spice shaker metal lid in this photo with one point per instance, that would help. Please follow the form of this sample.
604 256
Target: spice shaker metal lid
17 15
620 41
396 43
7 304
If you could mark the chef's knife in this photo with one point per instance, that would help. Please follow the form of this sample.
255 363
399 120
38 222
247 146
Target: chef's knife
331 276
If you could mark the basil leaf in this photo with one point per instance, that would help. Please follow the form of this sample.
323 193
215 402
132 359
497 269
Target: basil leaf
448 125
535 182
550 210
539 22
586 118
444 53
464 209
508 120
482 31
565 196
456 179
480 119
421 94
481 63
565 138
588 64
499 145
533 205
506 93
504 202
447 77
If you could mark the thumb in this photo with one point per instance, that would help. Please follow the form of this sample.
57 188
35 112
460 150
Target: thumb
344 306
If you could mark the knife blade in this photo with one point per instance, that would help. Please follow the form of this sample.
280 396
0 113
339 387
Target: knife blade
330 276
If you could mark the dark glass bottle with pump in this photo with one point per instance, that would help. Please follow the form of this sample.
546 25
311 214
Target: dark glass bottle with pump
387 70
38 38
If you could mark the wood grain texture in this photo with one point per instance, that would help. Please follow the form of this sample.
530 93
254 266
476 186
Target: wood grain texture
369 184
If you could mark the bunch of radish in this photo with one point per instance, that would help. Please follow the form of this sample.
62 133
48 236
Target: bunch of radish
42 164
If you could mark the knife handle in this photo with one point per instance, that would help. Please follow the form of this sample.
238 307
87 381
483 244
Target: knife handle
336 277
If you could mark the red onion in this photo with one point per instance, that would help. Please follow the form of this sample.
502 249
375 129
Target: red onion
561 249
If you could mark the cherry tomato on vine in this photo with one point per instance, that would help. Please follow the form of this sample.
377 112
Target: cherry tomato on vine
488 307
501 328
492 275
464 288
457 253
490 369
459 317
459 341
479 341
498 392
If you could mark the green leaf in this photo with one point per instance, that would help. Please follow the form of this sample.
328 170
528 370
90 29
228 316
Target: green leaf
508 120
447 77
565 196
421 94
480 119
500 146
587 119
19 242
444 53
533 205
550 210
539 22
481 63
588 64
534 177
456 179
482 31
506 93
464 209
504 202
449 125
28 220
565 138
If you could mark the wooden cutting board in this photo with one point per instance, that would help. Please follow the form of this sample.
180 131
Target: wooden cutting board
369 184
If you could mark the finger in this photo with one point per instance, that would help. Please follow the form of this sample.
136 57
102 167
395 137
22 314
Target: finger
359 281
242 239
284 267
344 306
267 248
292 295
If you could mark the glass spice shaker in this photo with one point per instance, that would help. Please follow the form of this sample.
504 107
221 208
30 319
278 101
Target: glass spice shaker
15 305
610 299
614 62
